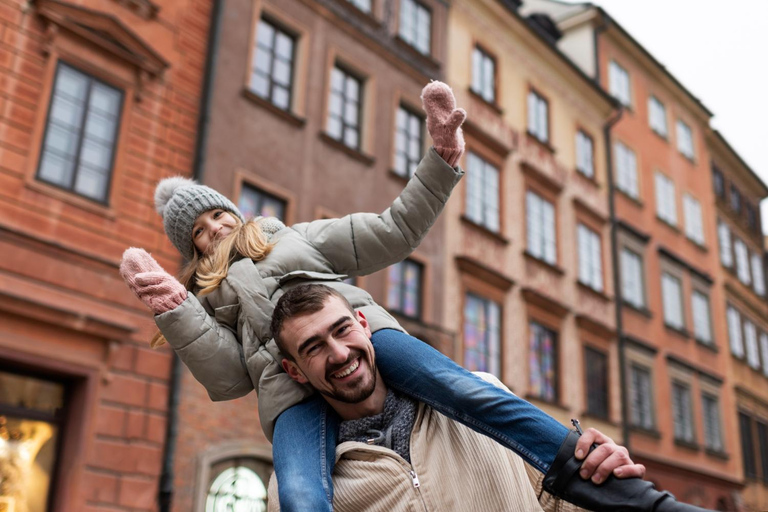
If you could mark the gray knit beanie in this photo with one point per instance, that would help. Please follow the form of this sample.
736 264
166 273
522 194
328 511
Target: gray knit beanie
180 201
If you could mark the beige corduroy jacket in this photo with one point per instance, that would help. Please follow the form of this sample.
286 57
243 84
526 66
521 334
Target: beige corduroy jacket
452 468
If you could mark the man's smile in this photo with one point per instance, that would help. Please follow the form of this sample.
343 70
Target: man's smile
348 370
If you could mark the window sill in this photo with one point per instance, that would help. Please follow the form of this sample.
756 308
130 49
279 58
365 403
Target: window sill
589 179
689 445
352 152
638 309
596 293
701 247
709 345
718 454
267 105
550 266
490 104
671 226
690 158
73 198
678 330
650 432
493 234
662 136
543 144
638 202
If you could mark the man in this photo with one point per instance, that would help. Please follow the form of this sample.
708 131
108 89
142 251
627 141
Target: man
395 454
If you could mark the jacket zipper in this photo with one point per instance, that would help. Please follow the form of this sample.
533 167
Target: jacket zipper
415 479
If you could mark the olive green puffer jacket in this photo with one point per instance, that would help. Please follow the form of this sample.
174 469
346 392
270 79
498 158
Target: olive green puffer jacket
224 337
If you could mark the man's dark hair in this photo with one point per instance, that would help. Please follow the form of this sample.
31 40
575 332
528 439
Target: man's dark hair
302 300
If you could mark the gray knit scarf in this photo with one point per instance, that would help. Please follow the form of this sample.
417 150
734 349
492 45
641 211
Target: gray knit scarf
390 429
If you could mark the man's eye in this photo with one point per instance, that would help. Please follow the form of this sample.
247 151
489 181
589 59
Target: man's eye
342 329
312 349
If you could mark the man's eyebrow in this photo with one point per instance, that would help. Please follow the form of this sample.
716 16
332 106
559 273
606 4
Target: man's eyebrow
306 343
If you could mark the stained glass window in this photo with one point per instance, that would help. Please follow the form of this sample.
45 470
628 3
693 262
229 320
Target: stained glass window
404 288
542 362
482 335
255 202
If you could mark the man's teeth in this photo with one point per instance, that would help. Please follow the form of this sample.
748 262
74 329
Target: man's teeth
351 368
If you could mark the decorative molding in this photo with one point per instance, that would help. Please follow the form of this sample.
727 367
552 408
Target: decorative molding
692 367
487 274
663 251
633 231
595 327
533 172
641 344
537 298
590 210
493 143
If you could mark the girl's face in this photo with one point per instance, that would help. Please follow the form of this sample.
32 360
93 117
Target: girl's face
212 225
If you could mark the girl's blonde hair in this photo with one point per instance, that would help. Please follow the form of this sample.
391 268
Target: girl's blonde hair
205 272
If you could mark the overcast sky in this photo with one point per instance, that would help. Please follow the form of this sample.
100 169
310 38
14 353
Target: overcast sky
719 51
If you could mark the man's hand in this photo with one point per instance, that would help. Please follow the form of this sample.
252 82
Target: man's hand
607 458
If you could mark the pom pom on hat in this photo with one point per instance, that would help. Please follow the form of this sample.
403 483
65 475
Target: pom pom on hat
165 190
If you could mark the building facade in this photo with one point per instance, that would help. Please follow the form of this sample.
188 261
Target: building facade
99 100
314 113
679 399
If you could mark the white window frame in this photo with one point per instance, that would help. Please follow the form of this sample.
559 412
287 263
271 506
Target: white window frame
682 412
657 116
694 227
626 170
350 129
538 116
735 337
685 139
619 84
641 400
632 289
484 74
483 191
541 227
750 344
742 261
726 245
672 298
409 141
585 149
758 276
713 437
763 340
590 258
666 203
702 322
412 17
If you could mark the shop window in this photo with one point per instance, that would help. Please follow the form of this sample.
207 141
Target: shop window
238 484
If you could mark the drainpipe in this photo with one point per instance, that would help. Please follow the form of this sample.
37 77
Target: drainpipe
165 492
617 275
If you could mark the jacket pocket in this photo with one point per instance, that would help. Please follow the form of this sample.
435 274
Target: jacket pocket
227 315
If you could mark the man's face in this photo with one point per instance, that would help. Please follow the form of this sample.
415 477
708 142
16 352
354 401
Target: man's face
333 352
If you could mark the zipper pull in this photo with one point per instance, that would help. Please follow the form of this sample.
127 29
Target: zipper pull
415 479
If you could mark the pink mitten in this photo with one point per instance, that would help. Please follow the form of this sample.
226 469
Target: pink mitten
444 121
156 288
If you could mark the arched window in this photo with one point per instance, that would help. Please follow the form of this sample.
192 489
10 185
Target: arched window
238 485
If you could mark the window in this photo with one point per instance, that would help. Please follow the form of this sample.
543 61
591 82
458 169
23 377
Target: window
747 446
734 332
538 117
724 236
762 442
672 291
363 5
482 335
710 408
404 284
484 75
31 417
641 407
742 261
626 170
618 83
415 25
683 413
666 206
718 182
735 199
584 154
702 326
540 222
483 193
408 142
590 258
542 358
694 229
344 108
758 278
751 217
632 278
657 116
684 139
81 134
255 202
238 484
596 365
750 341
272 73
764 352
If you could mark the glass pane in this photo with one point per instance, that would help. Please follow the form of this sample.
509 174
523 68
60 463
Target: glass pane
236 489
273 208
105 99
402 119
353 88
30 393
66 112
96 155
260 85
281 72
335 104
100 127
284 47
350 113
56 169
265 34
334 127
281 97
263 59
61 140
337 80
351 138
91 183
394 287
72 83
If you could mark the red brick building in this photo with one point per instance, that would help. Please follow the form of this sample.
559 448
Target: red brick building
99 100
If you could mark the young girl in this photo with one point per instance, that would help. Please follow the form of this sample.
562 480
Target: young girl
238 270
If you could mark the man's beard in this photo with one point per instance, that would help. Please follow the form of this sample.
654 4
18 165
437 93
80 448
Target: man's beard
354 395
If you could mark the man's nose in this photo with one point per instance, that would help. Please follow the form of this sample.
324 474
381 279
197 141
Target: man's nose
338 352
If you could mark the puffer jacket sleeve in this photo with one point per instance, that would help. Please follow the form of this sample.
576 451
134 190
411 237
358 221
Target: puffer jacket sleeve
210 349
363 243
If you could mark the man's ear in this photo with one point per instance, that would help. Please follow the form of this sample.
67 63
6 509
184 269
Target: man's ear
293 371
364 323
